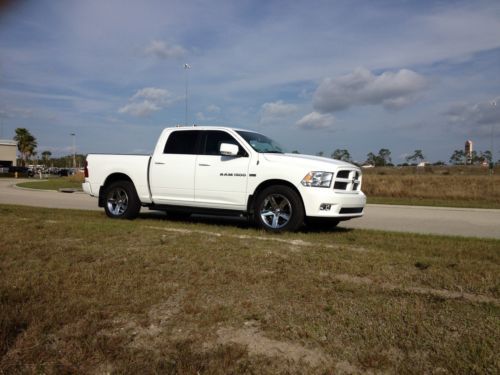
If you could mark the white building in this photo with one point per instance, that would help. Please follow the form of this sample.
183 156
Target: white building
8 150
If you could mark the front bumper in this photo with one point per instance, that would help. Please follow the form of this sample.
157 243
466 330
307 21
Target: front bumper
334 204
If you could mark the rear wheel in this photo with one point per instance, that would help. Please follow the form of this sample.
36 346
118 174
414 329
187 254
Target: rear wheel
278 209
122 201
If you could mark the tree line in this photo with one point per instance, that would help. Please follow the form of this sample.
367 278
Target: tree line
383 157
27 145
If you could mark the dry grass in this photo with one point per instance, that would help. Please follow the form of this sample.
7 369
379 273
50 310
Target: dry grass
80 293
78 177
56 183
436 186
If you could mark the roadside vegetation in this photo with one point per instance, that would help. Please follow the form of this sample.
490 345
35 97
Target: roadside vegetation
55 183
455 186
84 294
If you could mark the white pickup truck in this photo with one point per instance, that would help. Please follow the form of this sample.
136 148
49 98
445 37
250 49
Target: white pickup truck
226 171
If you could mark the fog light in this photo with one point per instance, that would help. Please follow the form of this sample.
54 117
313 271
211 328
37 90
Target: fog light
325 207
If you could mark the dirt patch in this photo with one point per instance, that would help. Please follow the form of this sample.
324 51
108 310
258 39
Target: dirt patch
451 295
187 231
442 293
294 244
257 344
345 368
145 336
103 369
353 279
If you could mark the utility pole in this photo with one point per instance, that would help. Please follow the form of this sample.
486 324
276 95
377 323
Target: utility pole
74 149
492 162
186 68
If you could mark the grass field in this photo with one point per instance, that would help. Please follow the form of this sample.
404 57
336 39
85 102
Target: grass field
81 293
433 186
55 183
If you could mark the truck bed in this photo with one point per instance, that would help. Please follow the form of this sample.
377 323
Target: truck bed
136 167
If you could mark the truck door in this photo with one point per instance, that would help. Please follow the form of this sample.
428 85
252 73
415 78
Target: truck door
172 172
221 181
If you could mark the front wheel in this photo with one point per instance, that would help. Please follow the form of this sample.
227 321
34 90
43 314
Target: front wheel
278 209
122 201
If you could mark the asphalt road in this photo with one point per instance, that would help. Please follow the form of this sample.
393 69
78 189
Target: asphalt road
416 219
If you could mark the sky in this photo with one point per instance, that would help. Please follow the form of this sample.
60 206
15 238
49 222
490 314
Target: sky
313 75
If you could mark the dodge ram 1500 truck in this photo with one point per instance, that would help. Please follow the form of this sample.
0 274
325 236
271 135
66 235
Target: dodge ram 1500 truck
226 171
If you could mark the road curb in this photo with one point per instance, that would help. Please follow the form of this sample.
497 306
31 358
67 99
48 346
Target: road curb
440 208
62 190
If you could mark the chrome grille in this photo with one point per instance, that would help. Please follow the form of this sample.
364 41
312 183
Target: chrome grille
347 180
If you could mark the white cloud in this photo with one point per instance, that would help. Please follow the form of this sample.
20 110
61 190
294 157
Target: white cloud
164 50
36 113
316 121
278 109
212 108
140 109
362 87
147 101
475 116
274 111
200 116
153 94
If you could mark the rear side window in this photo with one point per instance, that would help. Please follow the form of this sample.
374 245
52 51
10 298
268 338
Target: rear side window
182 142
213 140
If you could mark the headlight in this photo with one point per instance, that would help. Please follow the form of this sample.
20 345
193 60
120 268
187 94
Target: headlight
318 179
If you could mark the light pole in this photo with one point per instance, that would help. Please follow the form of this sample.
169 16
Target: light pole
186 68
492 162
74 149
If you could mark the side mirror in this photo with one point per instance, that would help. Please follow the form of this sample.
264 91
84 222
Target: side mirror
228 149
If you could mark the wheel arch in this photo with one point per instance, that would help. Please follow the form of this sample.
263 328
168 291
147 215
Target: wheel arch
265 184
109 180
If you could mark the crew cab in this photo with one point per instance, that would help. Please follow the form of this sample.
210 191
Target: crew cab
221 170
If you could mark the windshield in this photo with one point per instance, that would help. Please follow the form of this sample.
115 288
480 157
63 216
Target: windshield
261 143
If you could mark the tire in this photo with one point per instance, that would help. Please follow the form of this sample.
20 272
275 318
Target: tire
121 201
278 209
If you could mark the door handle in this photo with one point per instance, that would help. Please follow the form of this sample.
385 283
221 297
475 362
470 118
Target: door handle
159 163
204 165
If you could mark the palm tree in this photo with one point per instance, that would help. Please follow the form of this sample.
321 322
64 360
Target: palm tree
46 156
26 143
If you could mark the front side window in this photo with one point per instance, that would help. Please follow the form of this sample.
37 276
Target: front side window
213 140
182 142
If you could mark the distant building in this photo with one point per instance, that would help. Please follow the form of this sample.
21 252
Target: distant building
468 151
8 149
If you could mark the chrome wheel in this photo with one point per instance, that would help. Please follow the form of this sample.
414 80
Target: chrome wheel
276 211
117 201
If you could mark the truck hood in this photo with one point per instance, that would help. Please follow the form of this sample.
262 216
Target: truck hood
308 161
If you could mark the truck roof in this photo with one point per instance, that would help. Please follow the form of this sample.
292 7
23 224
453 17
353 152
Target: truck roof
208 127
